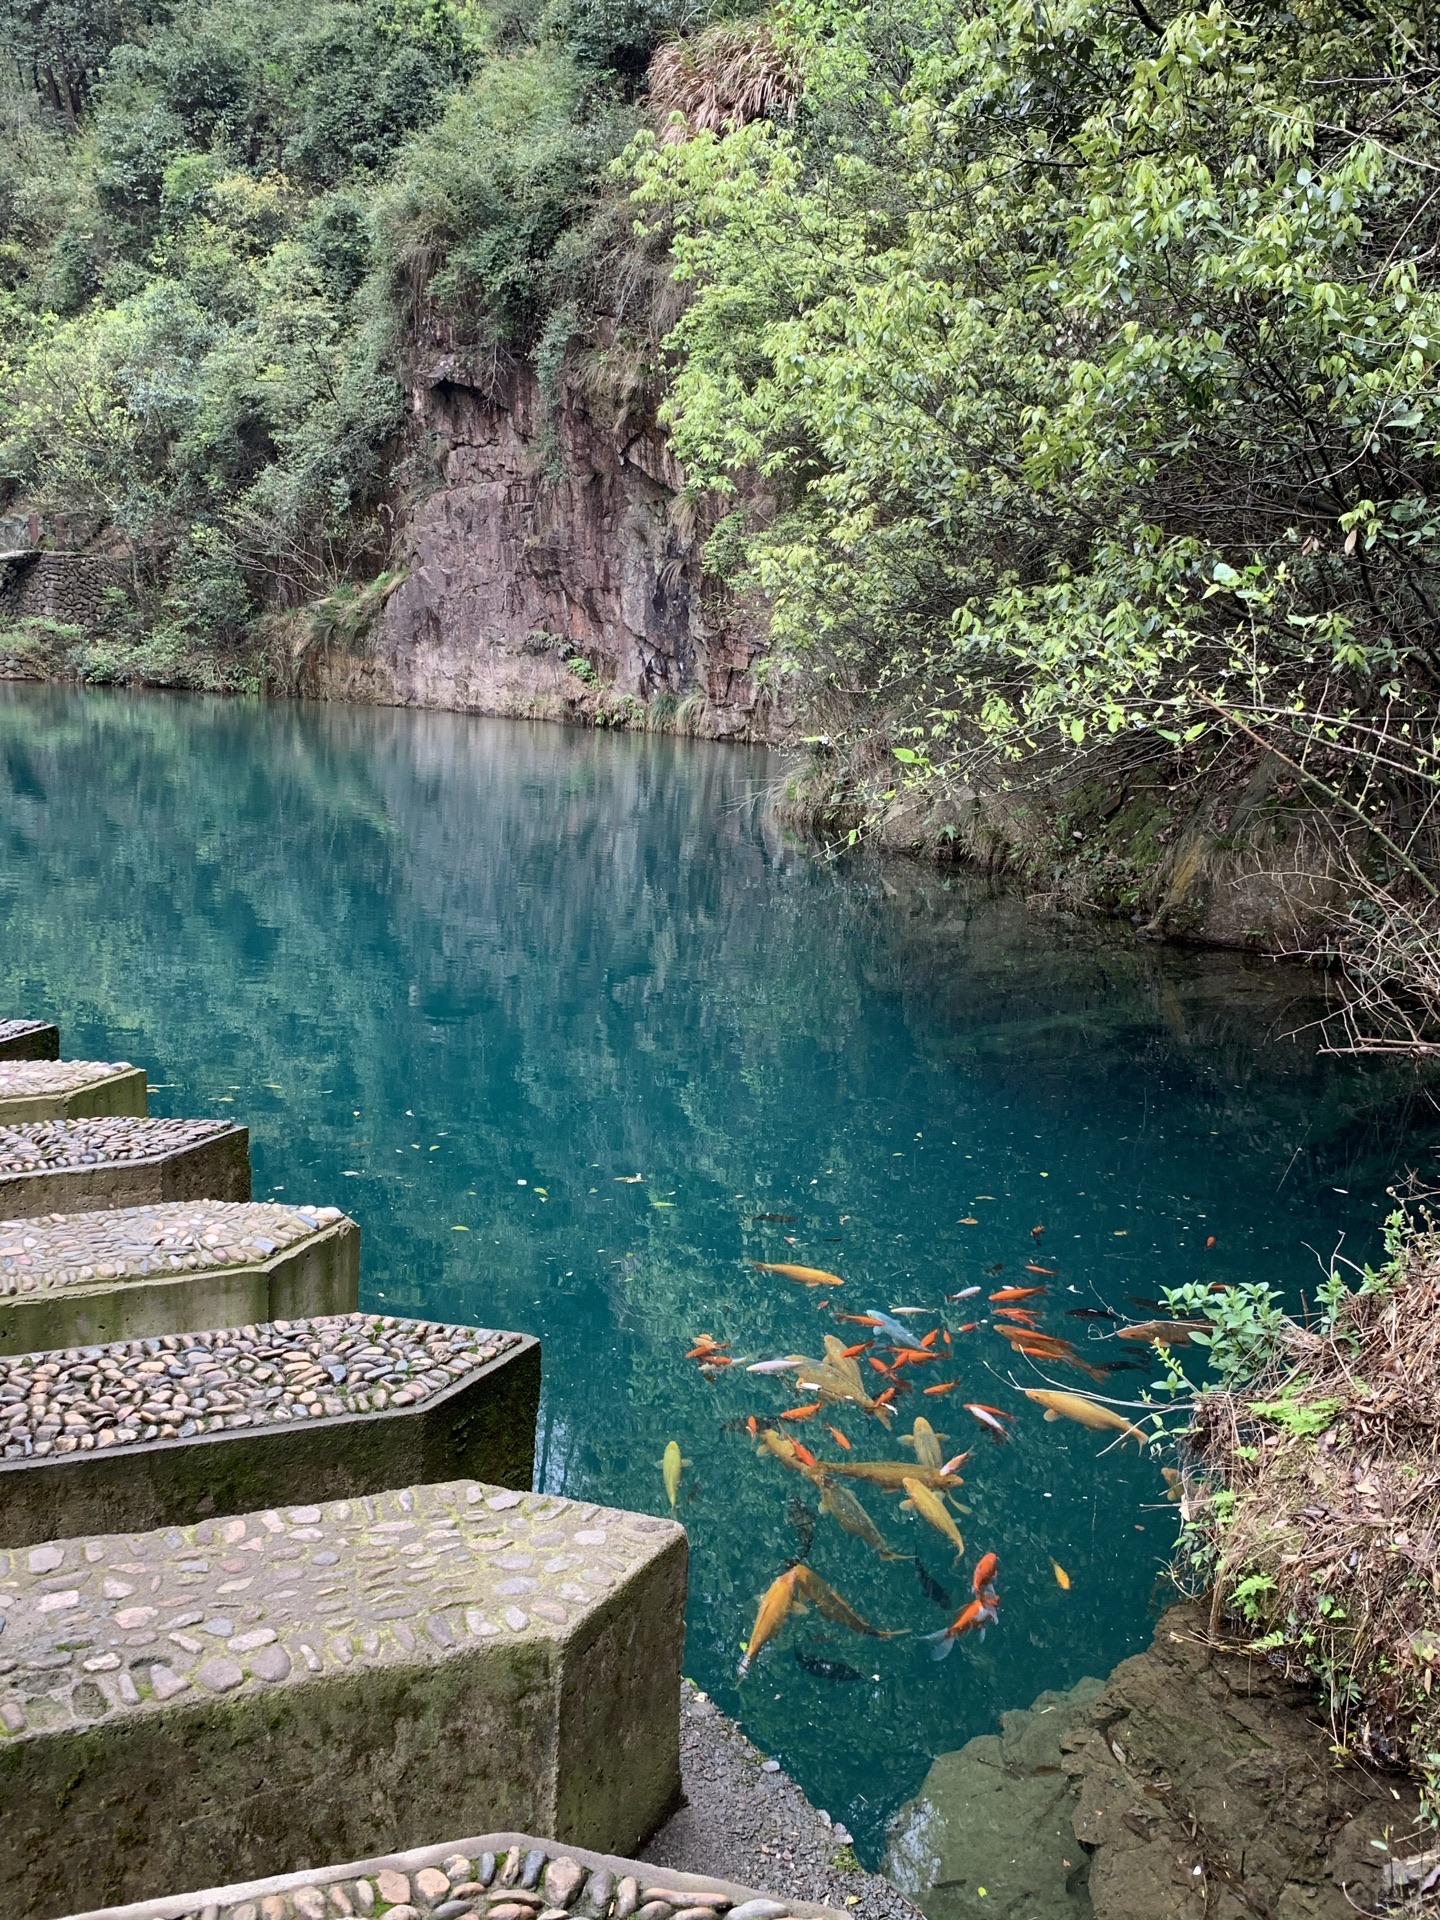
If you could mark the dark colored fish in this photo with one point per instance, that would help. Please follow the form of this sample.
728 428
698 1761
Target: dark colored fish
1155 1306
931 1587
775 1219
999 1267
802 1519
741 1423
1091 1313
1126 1366
826 1669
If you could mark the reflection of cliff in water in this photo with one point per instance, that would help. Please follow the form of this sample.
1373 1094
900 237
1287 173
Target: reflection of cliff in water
469 977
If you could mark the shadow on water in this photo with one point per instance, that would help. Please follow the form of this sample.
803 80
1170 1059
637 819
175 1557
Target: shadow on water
469 977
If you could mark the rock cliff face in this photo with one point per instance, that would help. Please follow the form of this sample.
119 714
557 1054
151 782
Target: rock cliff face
555 535
1202 1786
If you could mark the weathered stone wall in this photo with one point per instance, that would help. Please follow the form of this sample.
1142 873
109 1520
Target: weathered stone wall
553 534
50 585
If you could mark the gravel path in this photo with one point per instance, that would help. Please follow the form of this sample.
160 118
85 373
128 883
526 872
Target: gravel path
743 1823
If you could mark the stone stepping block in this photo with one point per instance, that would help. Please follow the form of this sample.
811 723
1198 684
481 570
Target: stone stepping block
29 1040
478 1876
69 1089
61 1166
80 1279
262 1691
162 1432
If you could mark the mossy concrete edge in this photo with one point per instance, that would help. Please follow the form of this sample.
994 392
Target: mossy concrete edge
213 1169
318 1275
35 1040
482 1428
116 1096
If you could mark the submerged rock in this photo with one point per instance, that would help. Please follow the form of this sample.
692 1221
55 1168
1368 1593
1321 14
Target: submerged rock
997 1815
1208 1789
1194 1784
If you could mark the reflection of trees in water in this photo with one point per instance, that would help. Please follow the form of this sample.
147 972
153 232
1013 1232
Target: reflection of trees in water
579 957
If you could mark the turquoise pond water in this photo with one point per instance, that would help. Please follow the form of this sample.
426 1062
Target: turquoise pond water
461 973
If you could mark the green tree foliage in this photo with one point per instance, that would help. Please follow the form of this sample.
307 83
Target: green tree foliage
216 250
1086 361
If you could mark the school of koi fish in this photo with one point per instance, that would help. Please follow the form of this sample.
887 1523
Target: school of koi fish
929 1482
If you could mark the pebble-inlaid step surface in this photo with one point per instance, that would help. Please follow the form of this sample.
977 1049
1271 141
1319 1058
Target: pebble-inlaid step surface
510 1876
160 1432
67 1165
170 1387
79 1278
29 1040
69 1089
259 1691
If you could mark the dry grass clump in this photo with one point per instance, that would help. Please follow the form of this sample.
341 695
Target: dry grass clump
720 81
1324 1533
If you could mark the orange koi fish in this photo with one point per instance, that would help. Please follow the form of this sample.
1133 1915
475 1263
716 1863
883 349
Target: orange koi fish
1030 1267
779 1599
1015 1293
943 1386
853 1353
985 1570
976 1613
840 1439
705 1348
802 1413
807 1276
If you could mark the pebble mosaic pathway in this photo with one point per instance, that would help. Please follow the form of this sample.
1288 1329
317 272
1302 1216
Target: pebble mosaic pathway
180 1384
61 1250
528 1881
59 1146
123 1624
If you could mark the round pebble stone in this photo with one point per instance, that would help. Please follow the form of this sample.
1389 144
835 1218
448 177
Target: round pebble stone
599 1891
655 1910
392 1886
627 1898
432 1885
485 1873
563 1880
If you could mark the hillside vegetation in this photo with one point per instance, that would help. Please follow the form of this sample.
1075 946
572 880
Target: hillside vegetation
220 226
1068 371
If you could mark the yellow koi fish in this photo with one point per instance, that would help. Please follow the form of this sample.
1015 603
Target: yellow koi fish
807 1276
1086 1413
670 1467
842 1506
925 1442
931 1507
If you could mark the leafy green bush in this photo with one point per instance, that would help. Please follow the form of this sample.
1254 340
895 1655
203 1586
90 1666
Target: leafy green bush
1088 359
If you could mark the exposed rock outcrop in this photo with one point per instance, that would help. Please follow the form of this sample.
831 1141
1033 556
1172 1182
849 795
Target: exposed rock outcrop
556 534
1205 1787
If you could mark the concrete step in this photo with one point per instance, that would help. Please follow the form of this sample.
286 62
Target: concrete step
80 1279
68 1089
63 1166
72 1465
475 1876
29 1040
253 1694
